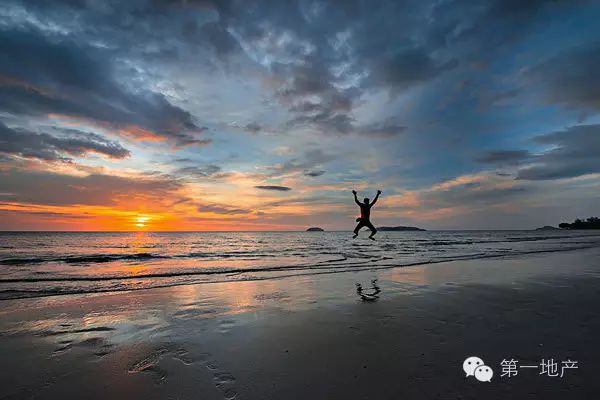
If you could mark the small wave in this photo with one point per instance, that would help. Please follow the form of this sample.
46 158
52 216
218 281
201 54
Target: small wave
333 264
212 271
12 294
509 239
537 238
103 258
447 242
92 258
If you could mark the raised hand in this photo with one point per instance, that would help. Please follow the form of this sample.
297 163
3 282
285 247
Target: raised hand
354 191
379 192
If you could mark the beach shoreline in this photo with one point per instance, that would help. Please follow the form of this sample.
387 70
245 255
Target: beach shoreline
312 336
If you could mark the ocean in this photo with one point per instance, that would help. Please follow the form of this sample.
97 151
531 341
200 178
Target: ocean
34 264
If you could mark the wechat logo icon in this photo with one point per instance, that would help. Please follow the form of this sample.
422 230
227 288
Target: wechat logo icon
474 366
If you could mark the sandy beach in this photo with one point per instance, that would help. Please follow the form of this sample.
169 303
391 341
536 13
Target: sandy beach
312 337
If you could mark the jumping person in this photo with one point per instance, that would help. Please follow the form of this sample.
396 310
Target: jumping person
365 215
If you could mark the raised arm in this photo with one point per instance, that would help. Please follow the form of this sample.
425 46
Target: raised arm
376 197
356 198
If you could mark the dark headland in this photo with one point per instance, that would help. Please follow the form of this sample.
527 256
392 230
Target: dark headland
399 228
590 223
315 229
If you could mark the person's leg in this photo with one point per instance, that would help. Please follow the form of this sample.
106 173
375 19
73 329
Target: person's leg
373 230
360 225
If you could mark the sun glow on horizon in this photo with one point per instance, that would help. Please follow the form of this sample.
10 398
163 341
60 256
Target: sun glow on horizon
141 221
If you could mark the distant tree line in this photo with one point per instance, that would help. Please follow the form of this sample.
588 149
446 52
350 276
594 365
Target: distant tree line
590 223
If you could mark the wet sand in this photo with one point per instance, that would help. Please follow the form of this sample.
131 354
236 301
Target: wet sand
312 336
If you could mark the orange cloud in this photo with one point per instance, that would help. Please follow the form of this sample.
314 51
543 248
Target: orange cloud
459 181
138 133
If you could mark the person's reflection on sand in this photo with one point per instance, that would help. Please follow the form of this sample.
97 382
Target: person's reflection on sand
373 295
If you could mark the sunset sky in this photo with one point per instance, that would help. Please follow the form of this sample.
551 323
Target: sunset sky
264 115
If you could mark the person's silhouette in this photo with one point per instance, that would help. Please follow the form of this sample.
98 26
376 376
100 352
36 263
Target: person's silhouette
365 215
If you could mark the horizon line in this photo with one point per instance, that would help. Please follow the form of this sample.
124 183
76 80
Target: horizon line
242 231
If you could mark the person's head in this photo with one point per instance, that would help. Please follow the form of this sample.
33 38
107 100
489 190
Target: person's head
366 200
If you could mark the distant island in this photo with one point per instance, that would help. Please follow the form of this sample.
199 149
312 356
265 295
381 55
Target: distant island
399 228
590 223
315 229
548 228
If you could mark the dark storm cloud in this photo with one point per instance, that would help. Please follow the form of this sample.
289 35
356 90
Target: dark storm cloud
44 75
273 187
101 190
47 147
576 152
571 77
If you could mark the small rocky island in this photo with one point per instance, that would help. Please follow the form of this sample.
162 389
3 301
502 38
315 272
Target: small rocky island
399 228
548 228
315 229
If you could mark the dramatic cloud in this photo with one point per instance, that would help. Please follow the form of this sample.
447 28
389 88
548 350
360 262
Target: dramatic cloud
273 187
47 147
40 75
575 152
99 190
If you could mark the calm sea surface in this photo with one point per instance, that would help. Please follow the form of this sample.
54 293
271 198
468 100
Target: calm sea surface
43 264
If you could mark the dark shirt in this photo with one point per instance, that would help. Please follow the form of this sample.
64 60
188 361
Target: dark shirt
365 211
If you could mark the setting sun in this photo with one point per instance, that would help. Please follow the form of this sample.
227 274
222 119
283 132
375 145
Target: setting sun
141 221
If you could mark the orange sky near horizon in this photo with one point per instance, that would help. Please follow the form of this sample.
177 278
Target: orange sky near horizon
91 218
